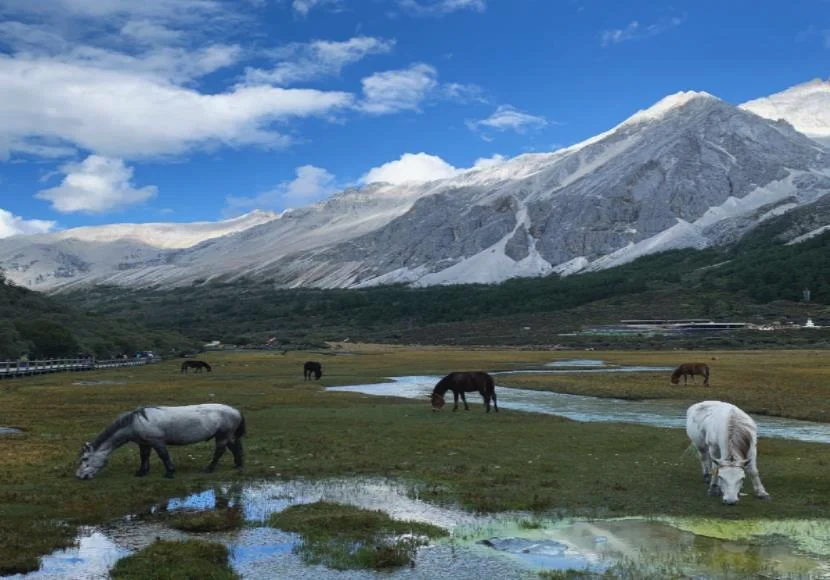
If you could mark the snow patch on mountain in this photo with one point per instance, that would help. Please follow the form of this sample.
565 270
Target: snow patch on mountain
163 235
806 107
808 235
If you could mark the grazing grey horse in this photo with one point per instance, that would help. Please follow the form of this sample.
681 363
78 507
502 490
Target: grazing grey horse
726 438
156 427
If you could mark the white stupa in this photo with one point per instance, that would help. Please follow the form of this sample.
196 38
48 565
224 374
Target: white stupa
809 323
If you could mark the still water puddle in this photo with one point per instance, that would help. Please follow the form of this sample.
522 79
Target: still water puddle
9 431
490 546
657 413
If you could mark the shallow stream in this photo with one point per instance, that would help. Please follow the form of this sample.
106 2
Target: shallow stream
507 545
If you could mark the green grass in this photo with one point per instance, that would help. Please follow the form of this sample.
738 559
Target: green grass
170 560
343 537
485 462
219 520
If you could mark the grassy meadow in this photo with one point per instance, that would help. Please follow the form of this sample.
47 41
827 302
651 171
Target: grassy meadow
486 462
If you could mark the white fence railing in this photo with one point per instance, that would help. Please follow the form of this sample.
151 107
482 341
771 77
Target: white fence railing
10 369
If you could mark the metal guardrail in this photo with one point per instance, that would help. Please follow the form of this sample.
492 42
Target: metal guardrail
12 369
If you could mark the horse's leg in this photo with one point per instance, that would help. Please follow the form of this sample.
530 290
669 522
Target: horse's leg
144 453
706 379
218 452
486 402
464 398
495 404
760 492
238 453
164 455
455 398
705 463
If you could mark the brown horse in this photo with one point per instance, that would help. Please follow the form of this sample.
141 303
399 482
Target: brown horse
460 383
690 370
198 365
312 368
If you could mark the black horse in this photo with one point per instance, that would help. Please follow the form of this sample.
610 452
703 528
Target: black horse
460 383
195 364
312 367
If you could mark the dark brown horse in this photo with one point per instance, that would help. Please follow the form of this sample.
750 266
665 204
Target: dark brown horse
312 368
687 370
460 383
198 365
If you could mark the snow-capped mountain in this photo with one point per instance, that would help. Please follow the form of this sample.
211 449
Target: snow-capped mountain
806 107
50 260
690 171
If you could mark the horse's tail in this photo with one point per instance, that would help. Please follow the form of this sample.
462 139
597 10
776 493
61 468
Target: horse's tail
241 429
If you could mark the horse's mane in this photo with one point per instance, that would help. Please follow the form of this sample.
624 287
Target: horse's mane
739 437
443 385
122 421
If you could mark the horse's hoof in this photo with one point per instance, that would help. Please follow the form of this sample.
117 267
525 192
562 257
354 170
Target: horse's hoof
208 470
764 496
168 475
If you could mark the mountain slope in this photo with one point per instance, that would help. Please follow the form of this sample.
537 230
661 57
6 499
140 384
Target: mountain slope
44 328
690 171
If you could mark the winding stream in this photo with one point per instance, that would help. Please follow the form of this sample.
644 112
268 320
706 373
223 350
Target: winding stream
657 413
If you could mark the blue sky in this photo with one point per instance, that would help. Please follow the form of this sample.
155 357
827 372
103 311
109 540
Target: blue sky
184 110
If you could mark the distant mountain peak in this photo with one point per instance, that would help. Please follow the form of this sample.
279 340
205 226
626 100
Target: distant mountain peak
805 106
164 235
668 104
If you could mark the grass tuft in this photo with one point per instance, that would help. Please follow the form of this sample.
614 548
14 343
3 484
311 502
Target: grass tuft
170 560
207 521
347 537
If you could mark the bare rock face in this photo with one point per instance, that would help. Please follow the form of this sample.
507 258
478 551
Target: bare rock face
691 171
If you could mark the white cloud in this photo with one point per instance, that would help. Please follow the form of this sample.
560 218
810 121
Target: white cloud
160 9
410 167
310 184
398 90
317 59
441 7
130 114
12 225
148 32
508 118
303 7
634 30
98 184
488 162
463 93
120 78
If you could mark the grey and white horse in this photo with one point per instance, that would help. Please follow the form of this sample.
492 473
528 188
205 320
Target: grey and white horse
157 427
726 439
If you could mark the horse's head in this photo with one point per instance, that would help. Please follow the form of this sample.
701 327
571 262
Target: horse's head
437 401
730 479
675 378
91 461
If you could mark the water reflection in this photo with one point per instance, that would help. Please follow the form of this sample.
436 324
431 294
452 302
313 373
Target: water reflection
489 546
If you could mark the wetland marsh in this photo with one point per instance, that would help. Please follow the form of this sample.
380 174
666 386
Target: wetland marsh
507 468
